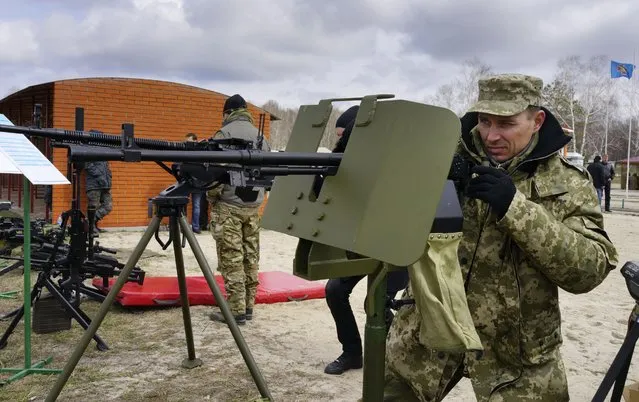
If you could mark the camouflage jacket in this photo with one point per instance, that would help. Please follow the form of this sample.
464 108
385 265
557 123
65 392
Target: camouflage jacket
238 125
98 175
551 236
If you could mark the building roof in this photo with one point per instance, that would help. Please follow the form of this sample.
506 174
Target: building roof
633 159
273 117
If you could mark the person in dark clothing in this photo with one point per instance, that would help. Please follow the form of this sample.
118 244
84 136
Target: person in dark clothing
98 188
338 290
196 197
609 174
597 171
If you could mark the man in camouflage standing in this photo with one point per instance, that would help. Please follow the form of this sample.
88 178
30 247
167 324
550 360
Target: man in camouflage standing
235 221
98 188
532 224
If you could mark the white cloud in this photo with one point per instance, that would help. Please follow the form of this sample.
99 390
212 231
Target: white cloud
298 52
17 42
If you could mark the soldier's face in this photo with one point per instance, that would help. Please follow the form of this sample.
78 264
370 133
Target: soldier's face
506 136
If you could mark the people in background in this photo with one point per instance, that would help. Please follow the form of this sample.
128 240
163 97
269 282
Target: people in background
609 176
338 290
98 188
196 197
597 171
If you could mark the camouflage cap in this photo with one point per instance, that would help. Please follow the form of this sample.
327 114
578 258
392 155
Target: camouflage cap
507 94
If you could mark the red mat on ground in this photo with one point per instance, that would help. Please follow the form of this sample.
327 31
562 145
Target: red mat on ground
274 287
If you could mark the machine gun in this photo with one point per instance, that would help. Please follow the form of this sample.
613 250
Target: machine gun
390 143
44 244
71 263
230 161
12 235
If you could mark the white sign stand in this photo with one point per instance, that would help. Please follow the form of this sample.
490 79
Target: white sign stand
19 156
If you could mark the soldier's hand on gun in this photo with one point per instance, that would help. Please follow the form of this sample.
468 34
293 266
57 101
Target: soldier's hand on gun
493 186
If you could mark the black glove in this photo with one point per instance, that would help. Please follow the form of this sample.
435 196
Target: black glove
492 186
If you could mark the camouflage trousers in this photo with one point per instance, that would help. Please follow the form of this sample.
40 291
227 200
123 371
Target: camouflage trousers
417 373
102 202
236 232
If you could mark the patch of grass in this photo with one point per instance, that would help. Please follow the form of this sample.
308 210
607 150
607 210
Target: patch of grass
144 359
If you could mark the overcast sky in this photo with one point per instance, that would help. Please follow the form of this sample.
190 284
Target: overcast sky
298 52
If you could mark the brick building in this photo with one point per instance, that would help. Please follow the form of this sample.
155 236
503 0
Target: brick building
157 109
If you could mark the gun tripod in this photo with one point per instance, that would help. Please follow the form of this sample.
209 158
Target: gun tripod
618 370
172 207
72 307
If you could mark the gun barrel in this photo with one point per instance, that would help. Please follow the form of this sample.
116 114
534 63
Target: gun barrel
87 146
240 157
92 138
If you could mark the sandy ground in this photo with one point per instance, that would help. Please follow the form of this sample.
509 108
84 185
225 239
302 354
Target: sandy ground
291 342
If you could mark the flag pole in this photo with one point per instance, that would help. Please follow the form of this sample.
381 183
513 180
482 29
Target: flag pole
632 110
606 130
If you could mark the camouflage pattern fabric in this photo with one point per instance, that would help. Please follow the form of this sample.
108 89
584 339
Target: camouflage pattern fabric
548 237
102 201
237 114
414 371
551 236
507 94
239 125
236 234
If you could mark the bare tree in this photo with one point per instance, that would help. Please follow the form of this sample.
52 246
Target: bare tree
580 96
460 94
281 129
595 91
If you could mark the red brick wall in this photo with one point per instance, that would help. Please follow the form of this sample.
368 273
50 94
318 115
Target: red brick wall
18 107
157 109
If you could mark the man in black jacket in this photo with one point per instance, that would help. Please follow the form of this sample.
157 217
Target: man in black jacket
609 171
338 290
597 171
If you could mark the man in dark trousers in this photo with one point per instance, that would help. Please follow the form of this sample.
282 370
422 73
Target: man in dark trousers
597 171
196 197
338 290
609 174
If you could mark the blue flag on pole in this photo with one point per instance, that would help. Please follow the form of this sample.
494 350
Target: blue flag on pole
618 70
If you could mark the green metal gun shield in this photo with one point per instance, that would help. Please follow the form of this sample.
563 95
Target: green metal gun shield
382 201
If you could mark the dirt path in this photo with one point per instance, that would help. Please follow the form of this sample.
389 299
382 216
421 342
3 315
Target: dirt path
291 342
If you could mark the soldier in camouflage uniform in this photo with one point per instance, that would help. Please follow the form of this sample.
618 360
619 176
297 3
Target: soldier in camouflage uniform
532 223
235 221
98 188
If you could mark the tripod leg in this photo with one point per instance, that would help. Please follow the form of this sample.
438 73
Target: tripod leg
10 268
74 312
20 312
226 311
12 327
620 381
104 309
191 361
91 293
621 362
